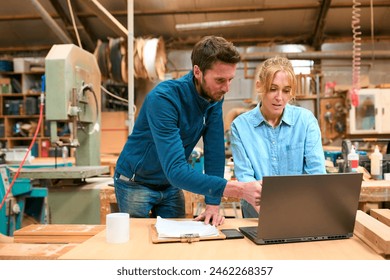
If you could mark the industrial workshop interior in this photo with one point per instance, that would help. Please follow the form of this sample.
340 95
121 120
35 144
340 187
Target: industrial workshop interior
74 75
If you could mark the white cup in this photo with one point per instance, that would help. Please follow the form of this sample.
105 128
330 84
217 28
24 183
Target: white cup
117 227
387 176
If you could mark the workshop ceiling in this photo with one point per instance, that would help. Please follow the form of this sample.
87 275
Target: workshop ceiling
35 25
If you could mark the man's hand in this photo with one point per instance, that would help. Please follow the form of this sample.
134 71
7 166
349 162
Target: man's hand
211 213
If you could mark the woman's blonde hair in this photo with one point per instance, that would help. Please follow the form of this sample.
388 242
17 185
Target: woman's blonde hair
267 72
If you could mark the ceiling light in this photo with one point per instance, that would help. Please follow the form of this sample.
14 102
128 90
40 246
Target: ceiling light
217 24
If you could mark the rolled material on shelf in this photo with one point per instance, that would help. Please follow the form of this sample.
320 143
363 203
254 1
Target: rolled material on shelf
149 58
154 58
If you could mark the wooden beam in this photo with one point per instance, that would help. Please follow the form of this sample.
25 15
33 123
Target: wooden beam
56 233
51 23
44 49
373 232
382 215
66 19
318 35
107 18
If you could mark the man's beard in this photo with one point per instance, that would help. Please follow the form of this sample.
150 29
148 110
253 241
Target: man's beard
204 93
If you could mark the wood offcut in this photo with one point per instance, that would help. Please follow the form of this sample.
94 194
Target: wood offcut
56 233
373 233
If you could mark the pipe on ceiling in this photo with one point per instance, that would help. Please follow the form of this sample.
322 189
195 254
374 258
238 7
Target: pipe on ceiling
259 56
217 24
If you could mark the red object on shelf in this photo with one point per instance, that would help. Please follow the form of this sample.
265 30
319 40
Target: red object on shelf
45 148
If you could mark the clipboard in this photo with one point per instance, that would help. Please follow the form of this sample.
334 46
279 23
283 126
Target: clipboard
187 238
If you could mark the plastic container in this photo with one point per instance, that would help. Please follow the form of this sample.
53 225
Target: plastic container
16 155
64 154
376 164
353 160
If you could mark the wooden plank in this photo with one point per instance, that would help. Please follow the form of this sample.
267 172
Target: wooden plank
373 232
375 191
58 239
107 18
383 86
373 194
56 233
367 206
20 251
189 204
382 215
6 239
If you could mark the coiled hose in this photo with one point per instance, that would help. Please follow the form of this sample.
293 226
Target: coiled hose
356 53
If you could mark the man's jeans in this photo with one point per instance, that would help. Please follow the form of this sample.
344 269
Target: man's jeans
142 202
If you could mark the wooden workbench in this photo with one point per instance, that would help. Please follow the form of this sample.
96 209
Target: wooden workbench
55 241
373 194
140 247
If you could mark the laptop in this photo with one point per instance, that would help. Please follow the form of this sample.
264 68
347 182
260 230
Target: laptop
296 208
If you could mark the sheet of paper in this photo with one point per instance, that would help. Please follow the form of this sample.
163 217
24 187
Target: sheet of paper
170 228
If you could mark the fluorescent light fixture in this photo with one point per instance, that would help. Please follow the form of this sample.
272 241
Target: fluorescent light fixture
217 24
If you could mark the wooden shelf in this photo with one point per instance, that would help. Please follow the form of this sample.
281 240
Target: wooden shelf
306 97
21 106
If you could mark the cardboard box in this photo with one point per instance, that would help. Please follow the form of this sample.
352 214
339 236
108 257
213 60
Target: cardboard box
5 85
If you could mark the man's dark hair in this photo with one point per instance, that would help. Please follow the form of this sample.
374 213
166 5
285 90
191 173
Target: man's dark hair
212 49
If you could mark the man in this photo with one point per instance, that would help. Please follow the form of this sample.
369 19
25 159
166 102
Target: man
153 167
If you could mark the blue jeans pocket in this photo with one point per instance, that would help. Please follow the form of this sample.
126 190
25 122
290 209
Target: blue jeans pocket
140 201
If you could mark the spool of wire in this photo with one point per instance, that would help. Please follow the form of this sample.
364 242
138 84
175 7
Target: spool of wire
356 53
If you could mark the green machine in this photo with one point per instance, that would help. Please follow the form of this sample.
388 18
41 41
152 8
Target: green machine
72 97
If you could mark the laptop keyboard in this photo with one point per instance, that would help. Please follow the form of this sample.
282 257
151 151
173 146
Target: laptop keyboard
252 231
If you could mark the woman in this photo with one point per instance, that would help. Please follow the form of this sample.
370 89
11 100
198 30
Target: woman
275 138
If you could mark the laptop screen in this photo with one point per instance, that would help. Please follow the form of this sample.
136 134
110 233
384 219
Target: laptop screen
308 207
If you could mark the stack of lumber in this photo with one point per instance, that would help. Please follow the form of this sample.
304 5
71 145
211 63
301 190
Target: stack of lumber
56 233
45 241
374 229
